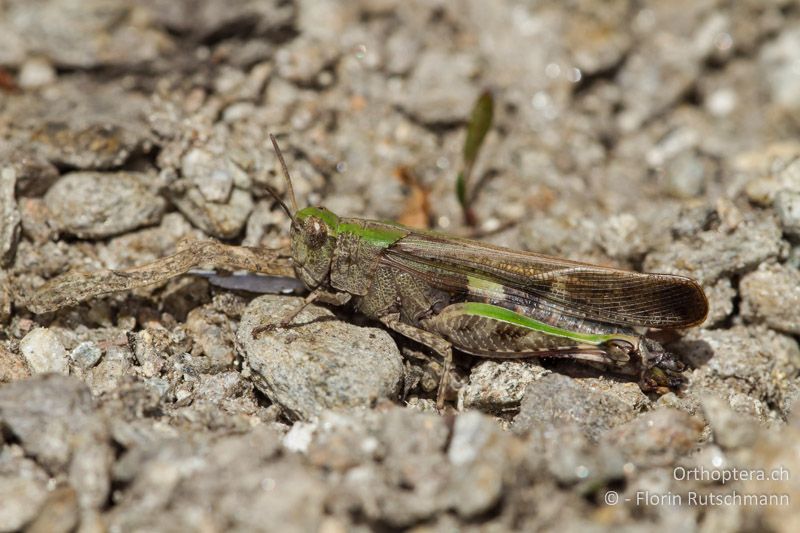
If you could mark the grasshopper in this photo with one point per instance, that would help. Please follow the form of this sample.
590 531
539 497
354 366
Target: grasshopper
447 292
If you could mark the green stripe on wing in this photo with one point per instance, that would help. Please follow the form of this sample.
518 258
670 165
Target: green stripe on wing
506 315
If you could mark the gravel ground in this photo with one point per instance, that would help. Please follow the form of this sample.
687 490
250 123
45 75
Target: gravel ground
660 136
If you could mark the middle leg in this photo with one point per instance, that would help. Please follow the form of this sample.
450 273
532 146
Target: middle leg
432 340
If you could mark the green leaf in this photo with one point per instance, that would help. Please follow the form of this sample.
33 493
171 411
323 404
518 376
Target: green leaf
461 190
479 124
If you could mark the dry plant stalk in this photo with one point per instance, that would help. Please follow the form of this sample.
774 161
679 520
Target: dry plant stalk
77 286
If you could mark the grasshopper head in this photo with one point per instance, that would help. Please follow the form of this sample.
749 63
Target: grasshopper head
661 370
313 242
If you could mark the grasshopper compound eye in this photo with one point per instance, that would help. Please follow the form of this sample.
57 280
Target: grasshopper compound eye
316 233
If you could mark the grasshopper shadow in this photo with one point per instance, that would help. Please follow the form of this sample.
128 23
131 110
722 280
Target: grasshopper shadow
695 353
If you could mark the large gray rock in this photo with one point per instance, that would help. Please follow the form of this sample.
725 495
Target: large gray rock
317 362
93 205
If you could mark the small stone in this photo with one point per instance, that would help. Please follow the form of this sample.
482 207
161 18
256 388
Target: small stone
36 72
771 295
52 418
213 337
657 438
621 237
769 182
775 453
12 366
721 297
567 454
93 205
479 454
213 175
145 245
44 352
731 430
9 216
778 60
652 77
754 362
6 298
88 37
22 498
35 174
596 35
222 220
150 348
106 376
58 514
556 400
686 174
498 386
318 363
77 143
86 355
787 207
410 483
304 59
439 90
37 224
710 255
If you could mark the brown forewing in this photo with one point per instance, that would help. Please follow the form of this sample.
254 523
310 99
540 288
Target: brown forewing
572 288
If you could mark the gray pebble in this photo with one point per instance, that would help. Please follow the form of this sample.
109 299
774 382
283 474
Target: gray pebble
498 386
754 362
212 337
242 477
86 355
787 207
60 513
13 366
105 377
621 237
22 498
53 418
771 295
36 72
731 429
439 90
596 35
93 205
556 400
82 126
302 61
713 254
44 352
9 216
720 296
35 174
409 484
778 61
212 173
223 220
91 36
318 362
686 174
572 458
773 173
657 438
479 456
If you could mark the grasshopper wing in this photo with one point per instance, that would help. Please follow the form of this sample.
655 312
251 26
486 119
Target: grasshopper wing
513 278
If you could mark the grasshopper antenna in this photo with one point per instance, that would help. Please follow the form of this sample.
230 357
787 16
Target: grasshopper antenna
272 191
283 205
285 171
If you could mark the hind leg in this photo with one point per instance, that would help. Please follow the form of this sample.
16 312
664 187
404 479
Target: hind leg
432 340
491 331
